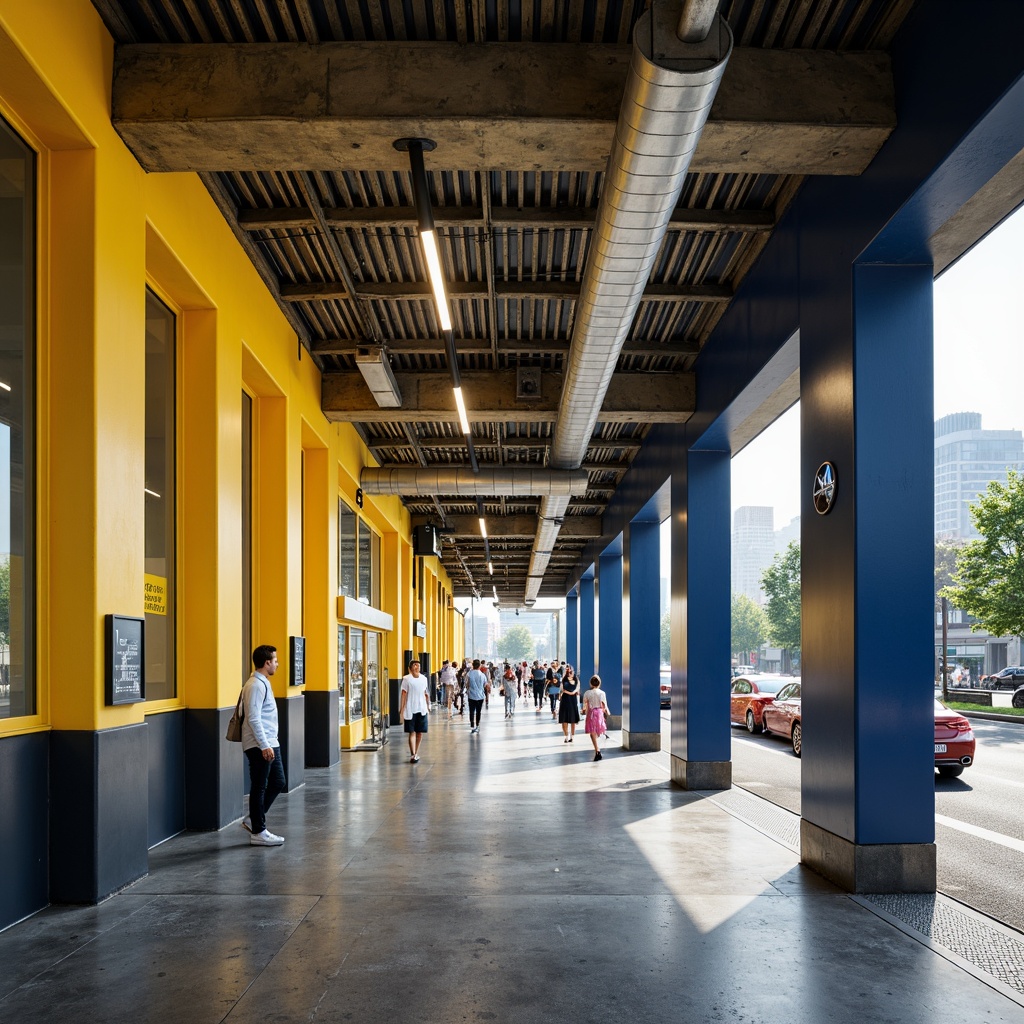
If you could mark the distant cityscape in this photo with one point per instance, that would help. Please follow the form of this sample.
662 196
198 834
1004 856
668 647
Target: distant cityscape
967 459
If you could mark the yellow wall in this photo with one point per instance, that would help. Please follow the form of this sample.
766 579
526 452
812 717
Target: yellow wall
106 231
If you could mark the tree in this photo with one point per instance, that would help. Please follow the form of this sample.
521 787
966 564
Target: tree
945 566
749 628
781 583
516 644
988 581
666 639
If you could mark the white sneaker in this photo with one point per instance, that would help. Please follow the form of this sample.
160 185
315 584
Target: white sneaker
247 823
266 838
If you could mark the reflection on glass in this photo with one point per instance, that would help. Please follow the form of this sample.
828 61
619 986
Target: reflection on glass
160 500
372 691
375 571
364 562
342 662
355 675
346 551
17 375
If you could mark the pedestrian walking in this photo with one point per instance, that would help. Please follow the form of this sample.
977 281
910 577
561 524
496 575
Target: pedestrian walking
595 705
260 743
414 709
538 687
508 684
477 687
554 684
569 704
449 682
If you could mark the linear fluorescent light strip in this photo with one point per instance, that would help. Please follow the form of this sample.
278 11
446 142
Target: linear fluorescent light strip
436 278
483 528
461 406
490 568
495 589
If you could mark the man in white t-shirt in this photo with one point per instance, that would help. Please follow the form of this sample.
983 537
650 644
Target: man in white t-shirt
414 709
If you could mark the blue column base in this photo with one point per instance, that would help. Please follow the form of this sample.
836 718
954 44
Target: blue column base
856 867
701 774
642 742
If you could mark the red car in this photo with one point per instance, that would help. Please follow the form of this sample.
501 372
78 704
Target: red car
750 695
954 742
782 716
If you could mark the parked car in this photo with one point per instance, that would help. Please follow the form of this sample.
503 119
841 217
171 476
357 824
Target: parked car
782 716
744 670
666 687
954 741
750 695
1008 678
1017 700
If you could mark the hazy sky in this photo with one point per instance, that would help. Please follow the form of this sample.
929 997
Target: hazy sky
979 365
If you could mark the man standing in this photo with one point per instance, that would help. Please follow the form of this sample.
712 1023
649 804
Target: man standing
414 709
259 741
478 685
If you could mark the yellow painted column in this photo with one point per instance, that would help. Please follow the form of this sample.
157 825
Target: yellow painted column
319 605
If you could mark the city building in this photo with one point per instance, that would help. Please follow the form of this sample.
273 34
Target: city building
967 460
753 548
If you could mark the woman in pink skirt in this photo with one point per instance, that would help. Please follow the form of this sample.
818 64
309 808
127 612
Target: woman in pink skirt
595 704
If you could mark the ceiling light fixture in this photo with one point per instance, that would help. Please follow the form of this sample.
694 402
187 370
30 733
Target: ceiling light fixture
432 257
483 528
5 385
490 568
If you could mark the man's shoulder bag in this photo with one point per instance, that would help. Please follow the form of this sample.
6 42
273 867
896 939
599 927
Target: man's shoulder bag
234 733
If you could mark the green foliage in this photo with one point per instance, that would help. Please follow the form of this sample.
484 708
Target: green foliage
945 566
666 639
749 626
781 583
988 582
516 644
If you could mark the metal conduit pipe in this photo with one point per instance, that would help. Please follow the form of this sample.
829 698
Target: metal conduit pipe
508 481
669 91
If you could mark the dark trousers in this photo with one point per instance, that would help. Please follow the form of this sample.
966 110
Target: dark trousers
538 694
266 780
475 707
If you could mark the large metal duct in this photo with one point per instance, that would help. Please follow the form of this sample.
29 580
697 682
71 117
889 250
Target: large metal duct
669 91
511 482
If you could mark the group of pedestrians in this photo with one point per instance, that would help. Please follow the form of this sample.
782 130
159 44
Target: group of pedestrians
473 683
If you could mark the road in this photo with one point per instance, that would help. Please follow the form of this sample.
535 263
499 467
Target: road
979 830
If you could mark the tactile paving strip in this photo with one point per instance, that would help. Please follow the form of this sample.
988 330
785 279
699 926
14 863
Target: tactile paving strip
765 816
991 949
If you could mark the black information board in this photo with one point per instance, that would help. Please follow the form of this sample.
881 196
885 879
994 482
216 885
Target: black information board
126 660
298 660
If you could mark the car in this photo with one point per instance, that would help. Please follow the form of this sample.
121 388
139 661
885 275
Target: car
1008 678
1017 700
782 716
750 695
954 741
666 687
744 670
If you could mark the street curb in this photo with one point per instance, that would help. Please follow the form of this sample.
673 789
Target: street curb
989 716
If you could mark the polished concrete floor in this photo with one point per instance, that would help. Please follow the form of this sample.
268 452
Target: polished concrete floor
506 877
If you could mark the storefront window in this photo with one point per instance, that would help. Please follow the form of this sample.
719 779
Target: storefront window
355 675
365 566
342 663
17 436
160 500
372 691
346 551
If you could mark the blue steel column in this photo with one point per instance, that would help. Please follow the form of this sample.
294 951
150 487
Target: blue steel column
584 666
866 384
641 588
609 629
701 628
572 628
